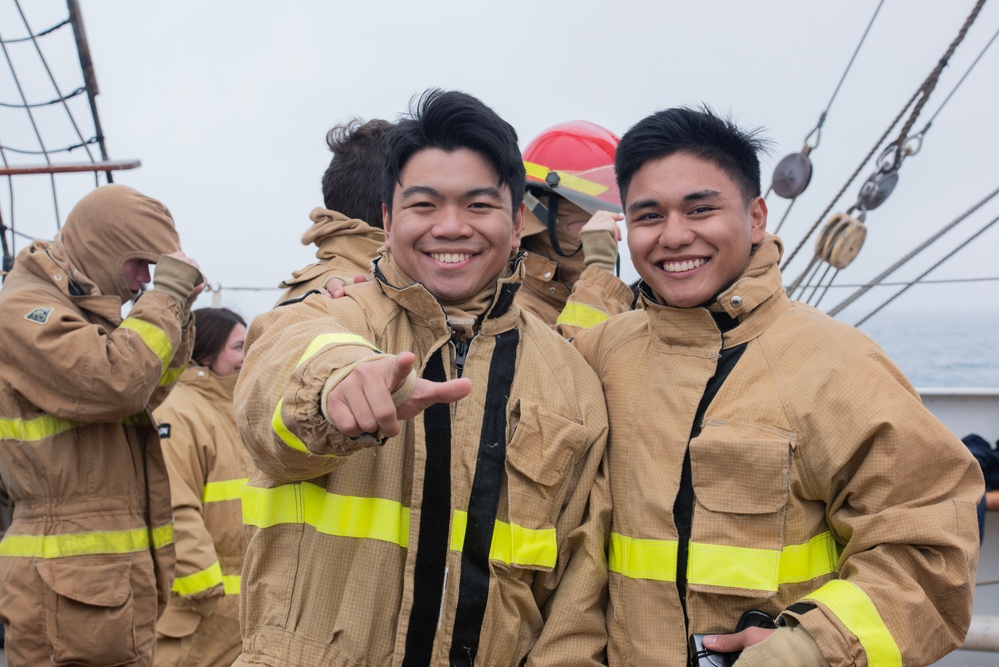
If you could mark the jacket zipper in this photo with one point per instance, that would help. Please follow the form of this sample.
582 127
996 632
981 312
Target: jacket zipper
460 353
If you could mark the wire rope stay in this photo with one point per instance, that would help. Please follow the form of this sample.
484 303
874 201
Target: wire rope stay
794 172
880 184
879 279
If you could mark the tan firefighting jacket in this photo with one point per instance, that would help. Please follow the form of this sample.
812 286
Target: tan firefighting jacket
446 543
208 468
571 293
87 564
822 489
344 248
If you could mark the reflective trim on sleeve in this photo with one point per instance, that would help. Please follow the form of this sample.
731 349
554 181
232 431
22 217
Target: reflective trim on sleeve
230 584
154 338
721 565
319 342
230 489
170 375
857 612
33 430
322 340
580 315
512 544
642 559
199 582
86 544
566 180
343 516
281 431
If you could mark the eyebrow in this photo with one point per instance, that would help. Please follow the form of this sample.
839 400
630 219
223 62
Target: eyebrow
699 195
415 190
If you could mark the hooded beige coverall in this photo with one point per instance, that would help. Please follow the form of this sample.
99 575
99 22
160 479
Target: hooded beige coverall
86 565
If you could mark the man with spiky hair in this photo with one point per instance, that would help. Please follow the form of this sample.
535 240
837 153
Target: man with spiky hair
767 463
347 232
425 448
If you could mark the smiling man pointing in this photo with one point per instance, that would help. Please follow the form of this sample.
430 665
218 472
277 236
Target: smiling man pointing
426 448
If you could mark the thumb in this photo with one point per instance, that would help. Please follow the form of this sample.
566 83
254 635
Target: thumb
401 368
427 393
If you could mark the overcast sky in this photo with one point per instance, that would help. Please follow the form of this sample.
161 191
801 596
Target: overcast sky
227 106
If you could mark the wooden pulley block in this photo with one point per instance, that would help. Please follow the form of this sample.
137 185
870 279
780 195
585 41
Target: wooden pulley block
792 175
841 240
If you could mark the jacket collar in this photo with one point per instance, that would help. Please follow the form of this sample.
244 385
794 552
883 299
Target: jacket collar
208 384
421 303
754 301
39 260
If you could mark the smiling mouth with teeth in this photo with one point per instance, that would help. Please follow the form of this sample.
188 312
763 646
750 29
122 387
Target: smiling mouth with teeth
679 267
450 257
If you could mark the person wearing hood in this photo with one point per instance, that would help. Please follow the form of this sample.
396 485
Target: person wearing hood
87 563
208 467
424 448
767 463
347 233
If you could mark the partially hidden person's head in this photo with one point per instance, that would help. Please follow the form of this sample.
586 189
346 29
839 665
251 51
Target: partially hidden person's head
113 234
453 191
219 335
352 182
570 176
690 185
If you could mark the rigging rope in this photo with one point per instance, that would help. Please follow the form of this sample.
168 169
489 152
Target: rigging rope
923 246
927 271
81 89
922 94
958 85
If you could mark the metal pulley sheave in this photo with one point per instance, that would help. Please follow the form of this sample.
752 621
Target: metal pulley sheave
792 174
841 240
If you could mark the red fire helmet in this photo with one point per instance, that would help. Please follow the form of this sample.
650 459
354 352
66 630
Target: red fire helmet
575 159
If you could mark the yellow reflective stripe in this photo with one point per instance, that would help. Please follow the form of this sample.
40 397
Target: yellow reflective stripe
230 489
511 544
734 567
720 565
46 426
570 181
580 315
642 559
321 341
287 437
855 610
385 520
86 544
343 516
32 430
198 582
804 562
230 584
154 337
170 375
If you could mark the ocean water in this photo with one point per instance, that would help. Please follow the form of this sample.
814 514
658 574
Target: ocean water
941 349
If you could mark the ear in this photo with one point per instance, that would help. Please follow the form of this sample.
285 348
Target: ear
387 225
757 220
518 225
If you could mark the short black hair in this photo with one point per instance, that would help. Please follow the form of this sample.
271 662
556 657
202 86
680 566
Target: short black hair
449 121
352 182
699 132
